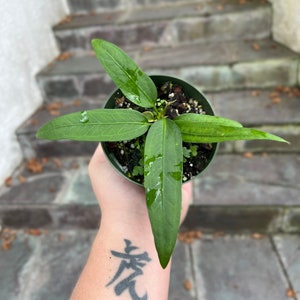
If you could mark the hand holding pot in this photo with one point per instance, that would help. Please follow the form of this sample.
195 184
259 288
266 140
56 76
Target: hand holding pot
119 197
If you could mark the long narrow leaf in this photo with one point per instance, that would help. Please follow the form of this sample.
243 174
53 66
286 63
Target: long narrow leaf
163 177
101 125
226 133
136 85
198 120
210 129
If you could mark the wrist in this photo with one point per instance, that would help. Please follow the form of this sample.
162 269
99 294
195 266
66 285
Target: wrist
131 221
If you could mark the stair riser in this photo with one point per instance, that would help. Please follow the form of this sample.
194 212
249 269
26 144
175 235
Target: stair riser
33 147
243 219
91 6
260 74
75 87
250 24
207 219
86 7
236 194
272 110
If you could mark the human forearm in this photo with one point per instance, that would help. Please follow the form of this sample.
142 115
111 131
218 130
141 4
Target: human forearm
123 263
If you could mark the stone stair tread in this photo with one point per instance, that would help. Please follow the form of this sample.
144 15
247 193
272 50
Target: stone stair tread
214 53
33 147
53 260
168 25
231 180
250 107
137 14
210 67
253 108
263 179
264 187
46 113
223 48
256 107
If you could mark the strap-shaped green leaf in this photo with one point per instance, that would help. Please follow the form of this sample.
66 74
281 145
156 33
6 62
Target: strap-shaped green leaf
100 125
163 177
197 120
210 129
136 85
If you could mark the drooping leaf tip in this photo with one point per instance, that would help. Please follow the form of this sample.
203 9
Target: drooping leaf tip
276 138
164 261
95 41
285 141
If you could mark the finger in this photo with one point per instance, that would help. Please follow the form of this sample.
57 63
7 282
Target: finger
187 191
98 155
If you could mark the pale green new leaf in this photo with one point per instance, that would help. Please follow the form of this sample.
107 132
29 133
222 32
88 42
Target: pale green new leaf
163 178
136 85
210 129
100 125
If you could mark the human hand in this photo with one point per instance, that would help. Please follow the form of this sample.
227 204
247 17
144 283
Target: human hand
119 197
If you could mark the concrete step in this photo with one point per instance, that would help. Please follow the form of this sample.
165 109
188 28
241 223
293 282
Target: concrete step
236 194
273 110
251 185
45 265
168 25
90 7
213 66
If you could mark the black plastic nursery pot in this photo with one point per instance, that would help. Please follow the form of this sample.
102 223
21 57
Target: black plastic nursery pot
117 151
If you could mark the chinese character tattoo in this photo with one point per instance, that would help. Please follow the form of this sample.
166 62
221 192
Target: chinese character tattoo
124 280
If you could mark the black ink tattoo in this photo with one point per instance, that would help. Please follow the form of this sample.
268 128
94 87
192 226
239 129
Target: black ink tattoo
132 262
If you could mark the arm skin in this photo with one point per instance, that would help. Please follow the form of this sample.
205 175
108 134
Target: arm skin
124 216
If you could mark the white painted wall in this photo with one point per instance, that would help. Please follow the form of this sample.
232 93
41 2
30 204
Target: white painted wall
286 23
27 44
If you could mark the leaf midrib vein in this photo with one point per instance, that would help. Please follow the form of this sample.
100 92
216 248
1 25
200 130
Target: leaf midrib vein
122 67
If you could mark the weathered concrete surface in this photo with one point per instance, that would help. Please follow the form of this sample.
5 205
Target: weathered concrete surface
253 108
12 263
235 193
42 265
286 23
32 193
45 266
237 267
259 180
211 66
181 274
90 7
288 248
166 25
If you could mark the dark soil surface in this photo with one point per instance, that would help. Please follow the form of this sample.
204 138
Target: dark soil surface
129 154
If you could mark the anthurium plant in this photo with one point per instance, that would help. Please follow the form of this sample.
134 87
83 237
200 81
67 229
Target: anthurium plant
163 153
